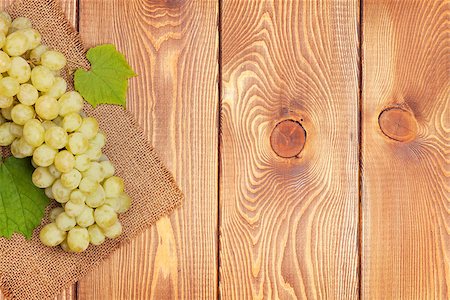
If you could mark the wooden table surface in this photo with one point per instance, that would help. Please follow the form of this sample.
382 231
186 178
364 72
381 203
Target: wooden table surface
360 212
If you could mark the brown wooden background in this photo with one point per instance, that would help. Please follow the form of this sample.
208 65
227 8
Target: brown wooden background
356 215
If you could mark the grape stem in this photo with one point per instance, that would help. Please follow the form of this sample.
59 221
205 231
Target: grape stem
31 63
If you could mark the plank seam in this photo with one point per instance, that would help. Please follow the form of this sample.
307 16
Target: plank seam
360 163
219 137
77 15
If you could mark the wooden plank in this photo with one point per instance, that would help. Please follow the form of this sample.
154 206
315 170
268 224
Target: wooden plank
405 195
173 46
289 226
70 8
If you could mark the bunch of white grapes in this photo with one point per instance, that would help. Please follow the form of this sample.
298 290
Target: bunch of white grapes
40 119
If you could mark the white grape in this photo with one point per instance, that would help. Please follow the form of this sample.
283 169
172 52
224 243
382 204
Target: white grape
71 179
19 69
35 54
99 140
89 127
54 213
64 161
65 222
77 144
58 88
88 185
33 133
49 193
42 178
33 37
70 102
113 186
9 86
6 112
15 151
114 231
96 236
77 196
105 216
16 44
27 94
96 198
44 155
53 60
47 107
16 130
56 137
50 235
21 23
94 153
2 39
42 78
108 168
70 122
95 172
48 124
57 121
4 15
4 24
82 162
78 239
6 138
53 170
60 192
5 62
120 204
25 148
86 218
65 246
73 209
14 148
22 113
6 102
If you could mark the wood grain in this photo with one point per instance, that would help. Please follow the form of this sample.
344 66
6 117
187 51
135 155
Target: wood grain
289 225
173 46
70 8
406 187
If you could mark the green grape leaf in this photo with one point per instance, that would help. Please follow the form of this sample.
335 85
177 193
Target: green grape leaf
107 80
22 205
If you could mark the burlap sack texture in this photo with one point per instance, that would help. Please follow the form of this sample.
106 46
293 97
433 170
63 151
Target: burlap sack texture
29 270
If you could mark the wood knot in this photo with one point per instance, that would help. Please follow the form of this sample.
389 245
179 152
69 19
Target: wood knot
288 138
398 124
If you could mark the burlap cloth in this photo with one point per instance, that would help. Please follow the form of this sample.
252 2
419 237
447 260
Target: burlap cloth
29 270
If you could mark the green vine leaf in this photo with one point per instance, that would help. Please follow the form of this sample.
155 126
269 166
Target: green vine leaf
107 80
22 205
